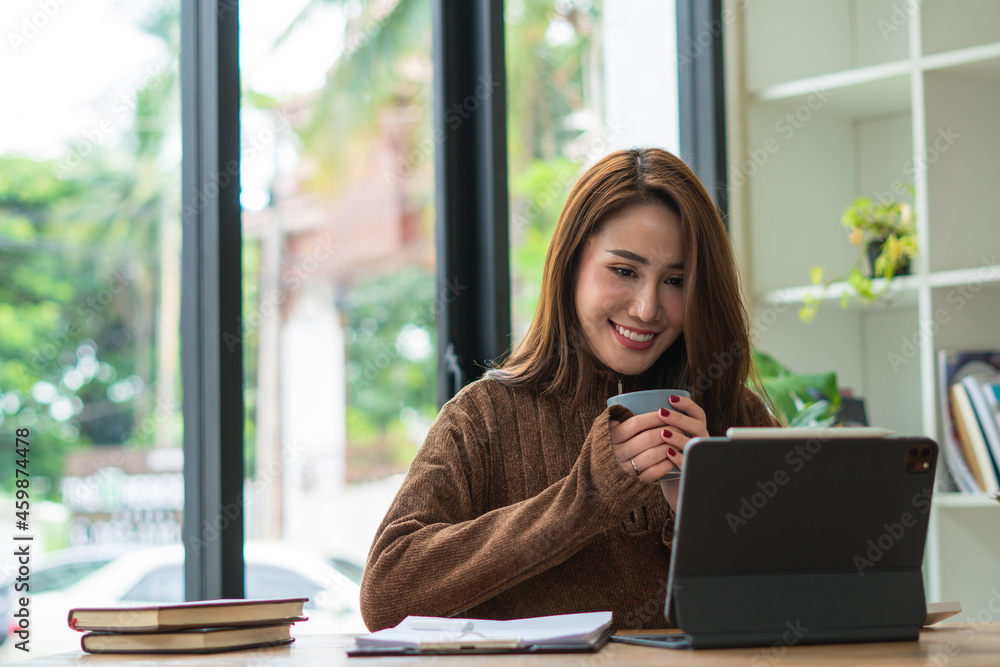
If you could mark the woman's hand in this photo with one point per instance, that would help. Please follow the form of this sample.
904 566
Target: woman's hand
650 445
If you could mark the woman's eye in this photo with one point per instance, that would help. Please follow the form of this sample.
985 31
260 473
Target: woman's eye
624 273
676 281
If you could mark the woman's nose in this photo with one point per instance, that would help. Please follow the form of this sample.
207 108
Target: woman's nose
645 303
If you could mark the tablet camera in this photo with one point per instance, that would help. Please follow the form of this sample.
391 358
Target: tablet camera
919 460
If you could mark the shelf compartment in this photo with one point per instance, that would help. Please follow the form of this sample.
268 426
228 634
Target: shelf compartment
796 213
948 25
857 93
969 550
965 316
788 40
961 163
857 345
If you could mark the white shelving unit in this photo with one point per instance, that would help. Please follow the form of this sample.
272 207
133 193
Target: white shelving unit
845 98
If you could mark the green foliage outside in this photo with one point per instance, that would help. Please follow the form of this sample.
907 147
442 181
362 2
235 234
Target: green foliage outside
249 338
391 368
76 289
80 243
537 195
550 81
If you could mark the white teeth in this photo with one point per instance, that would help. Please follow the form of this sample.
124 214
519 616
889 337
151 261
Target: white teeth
631 335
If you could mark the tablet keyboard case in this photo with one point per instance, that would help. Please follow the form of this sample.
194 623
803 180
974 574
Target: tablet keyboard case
810 541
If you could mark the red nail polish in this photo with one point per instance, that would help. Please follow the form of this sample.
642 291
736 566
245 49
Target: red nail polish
666 434
664 413
675 399
670 450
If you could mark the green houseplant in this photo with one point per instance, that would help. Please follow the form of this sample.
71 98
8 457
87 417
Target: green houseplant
885 234
805 400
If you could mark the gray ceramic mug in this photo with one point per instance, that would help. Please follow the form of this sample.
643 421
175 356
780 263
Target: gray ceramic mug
651 400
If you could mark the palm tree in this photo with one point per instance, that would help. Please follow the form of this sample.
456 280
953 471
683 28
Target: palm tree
382 75
386 64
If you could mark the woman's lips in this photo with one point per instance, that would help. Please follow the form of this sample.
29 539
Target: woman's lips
628 342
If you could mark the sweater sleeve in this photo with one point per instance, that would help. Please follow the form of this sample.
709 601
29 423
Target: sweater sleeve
441 550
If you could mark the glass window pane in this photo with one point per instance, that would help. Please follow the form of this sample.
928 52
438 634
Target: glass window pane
63 576
554 113
586 77
165 584
275 582
89 295
338 324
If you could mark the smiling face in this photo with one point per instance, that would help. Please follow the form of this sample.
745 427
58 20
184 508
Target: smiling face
630 288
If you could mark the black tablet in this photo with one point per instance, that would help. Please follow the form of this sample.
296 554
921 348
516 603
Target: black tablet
816 537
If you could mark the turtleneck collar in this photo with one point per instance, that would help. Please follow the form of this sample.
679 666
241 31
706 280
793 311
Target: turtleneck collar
606 382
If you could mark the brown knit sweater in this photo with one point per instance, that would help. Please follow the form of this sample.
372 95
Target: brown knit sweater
515 507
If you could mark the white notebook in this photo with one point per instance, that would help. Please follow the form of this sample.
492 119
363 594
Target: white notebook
432 632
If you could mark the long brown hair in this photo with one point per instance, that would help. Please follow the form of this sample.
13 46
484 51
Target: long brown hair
711 358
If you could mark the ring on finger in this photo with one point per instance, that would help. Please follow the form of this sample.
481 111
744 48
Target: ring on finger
632 460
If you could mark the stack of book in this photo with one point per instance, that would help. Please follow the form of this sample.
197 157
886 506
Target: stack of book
187 627
970 394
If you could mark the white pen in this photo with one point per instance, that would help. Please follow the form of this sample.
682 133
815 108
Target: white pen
441 624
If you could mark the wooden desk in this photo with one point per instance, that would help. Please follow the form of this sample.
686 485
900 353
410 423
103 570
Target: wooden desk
945 645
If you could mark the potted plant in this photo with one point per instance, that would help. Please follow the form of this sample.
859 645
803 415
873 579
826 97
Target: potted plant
804 400
885 235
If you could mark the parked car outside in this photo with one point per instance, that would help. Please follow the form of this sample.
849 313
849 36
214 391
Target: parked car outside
348 567
156 575
55 570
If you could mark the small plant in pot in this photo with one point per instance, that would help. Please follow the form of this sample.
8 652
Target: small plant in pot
885 234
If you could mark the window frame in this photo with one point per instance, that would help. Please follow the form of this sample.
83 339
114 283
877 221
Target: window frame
472 238
470 131
701 93
211 300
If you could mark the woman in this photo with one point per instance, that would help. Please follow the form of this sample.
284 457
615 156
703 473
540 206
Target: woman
529 496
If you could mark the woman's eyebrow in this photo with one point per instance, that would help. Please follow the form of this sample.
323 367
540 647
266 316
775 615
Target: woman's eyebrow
639 259
631 256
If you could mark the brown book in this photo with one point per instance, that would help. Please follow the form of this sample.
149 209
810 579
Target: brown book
201 614
197 640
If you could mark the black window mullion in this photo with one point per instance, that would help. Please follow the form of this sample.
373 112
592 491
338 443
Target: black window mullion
701 89
473 300
212 351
